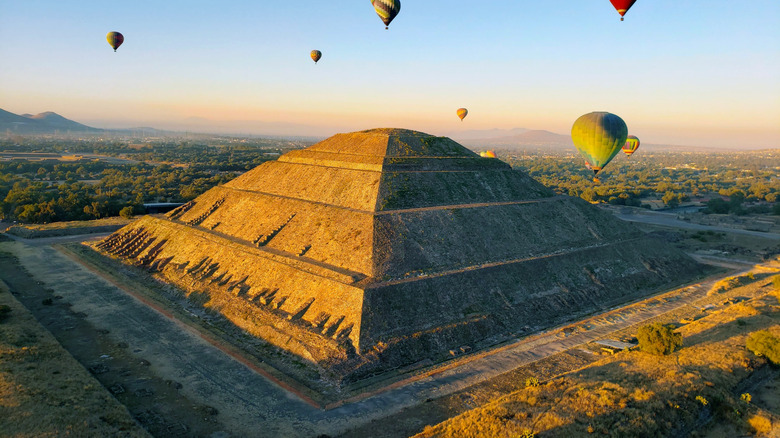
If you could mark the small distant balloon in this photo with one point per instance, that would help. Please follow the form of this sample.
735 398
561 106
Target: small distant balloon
316 55
462 113
632 144
387 10
622 6
598 136
115 39
487 154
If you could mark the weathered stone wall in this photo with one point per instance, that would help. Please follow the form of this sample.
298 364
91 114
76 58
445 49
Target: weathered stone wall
405 190
414 242
338 237
538 292
348 188
257 290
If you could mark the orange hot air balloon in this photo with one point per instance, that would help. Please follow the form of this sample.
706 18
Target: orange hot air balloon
622 6
462 113
487 154
316 55
115 39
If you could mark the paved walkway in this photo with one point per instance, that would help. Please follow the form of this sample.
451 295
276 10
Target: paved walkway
253 405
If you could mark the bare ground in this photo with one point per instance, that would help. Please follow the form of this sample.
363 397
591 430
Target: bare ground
44 392
192 383
696 391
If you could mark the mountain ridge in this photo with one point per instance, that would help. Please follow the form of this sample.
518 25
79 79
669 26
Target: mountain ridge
47 122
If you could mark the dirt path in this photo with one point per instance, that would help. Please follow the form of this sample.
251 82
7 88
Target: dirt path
154 402
670 220
244 402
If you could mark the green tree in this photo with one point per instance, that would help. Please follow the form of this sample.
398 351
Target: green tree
126 212
764 343
671 199
717 206
588 195
657 338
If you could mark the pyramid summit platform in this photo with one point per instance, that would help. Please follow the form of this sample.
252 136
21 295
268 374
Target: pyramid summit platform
376 249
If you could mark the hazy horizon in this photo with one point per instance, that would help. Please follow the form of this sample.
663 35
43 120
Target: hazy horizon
703 73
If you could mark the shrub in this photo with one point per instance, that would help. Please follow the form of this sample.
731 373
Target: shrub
760 424
526 434
4 311
658 338
531 381
126 212
763 343
746 397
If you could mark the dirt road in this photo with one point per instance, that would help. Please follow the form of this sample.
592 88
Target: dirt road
670 220
250 405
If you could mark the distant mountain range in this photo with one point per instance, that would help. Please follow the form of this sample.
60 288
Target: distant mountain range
43 123
478 134
527 138
476 139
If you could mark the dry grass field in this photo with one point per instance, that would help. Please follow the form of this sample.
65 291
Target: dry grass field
697 390
719 244
44 392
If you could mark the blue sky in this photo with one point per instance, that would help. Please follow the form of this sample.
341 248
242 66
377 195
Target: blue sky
698 72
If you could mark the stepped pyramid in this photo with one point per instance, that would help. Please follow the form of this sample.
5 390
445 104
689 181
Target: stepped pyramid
385 247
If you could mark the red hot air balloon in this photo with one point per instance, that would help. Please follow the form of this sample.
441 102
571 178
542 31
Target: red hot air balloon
622 6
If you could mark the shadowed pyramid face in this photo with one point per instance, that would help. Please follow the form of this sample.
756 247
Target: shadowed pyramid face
398 238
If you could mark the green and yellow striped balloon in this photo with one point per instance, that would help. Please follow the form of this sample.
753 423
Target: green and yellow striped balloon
598 136
632 144
386 9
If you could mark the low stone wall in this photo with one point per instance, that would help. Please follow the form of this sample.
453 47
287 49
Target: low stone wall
31 233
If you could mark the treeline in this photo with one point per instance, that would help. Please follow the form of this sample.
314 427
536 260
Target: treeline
737 183
44 192
222 154
171 170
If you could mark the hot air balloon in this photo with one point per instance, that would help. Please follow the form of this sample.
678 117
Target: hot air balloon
487 154
387 9
115 39
316 55
622 6
632 144
598 136
462 113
